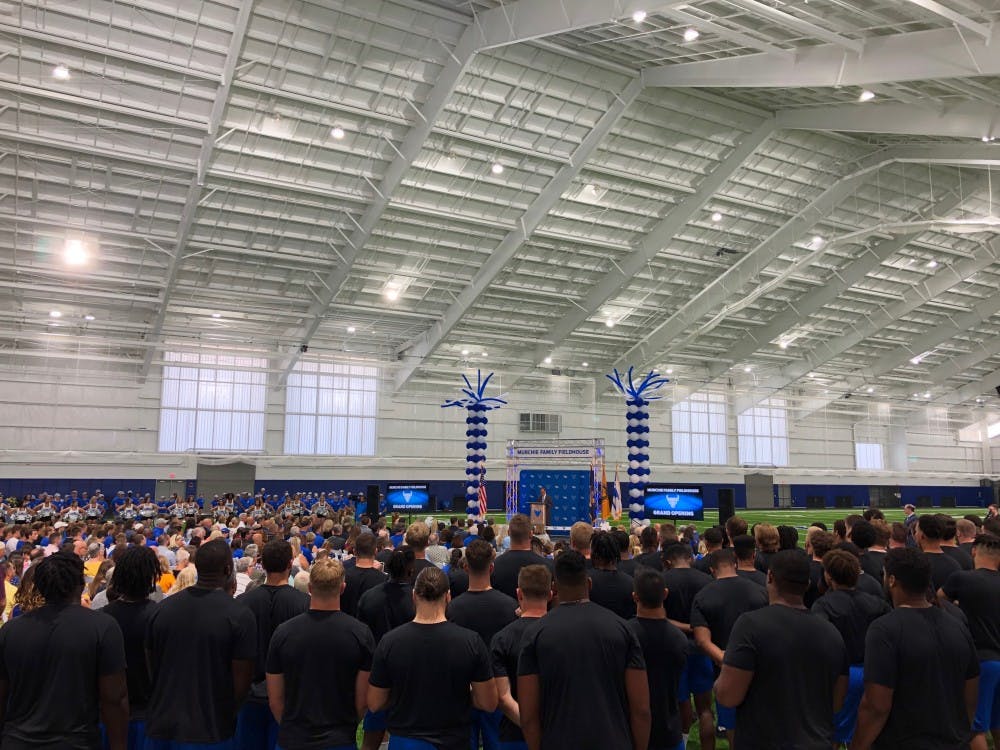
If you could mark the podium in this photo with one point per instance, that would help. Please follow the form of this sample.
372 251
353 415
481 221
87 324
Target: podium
539 516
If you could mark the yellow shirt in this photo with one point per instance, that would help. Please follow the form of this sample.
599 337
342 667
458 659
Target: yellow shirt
91 567
166 581
10 591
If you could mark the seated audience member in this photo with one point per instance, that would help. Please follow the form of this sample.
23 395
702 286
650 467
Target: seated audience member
921 670
62 668
851 612
977 592
609 587
424 711
780 655
200 631
325 641
664 649
534 592
612 687
929 535
508 566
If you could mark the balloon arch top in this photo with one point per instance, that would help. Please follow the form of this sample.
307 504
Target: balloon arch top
551 455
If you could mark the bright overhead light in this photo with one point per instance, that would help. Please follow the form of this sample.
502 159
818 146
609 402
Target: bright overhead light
88 317
60 72
988 138
639 16
817 241
584 364
866 96
497 168
783 344
979 401
716 216
691 34
915 360
465 352
927 395
75 253
870 390
351 329
932 264
484 354
610 323
337 133
55 314
216 315
670 371
548 360
392 294
748 368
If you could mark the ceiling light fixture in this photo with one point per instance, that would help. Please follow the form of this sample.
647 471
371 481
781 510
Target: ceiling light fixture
932 264
75 253
670 371
817 241
584 364
548 360
988 138
392 294
915 360
351 329
60 72
866 96
783 344
979 401
497 168
465 352
639 16
88 317
927 395
871 390
485 354
610 323
716 217
691 34
55 314
337 133
216 315
748 368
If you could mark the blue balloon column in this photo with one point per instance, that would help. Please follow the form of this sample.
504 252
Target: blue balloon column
637 398
477 404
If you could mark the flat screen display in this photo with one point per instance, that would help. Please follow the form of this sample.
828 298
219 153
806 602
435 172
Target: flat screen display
413 497
672 501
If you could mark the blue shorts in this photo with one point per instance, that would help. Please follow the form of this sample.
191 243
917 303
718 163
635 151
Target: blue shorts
375 722
513 746
988 706
152 744
408 743
725 717
136 735
485 729
698 676
846 718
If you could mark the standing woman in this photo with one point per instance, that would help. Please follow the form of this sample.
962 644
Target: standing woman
135 578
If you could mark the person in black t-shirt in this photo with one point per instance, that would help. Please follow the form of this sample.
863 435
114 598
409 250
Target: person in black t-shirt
746 554
851 612
509 564
609 587
534 592
977 592
62 668
782 656
485 611
929 533
949 544
714 612
626 563
867 537
664 649
458 579
714 539
684 582
200 631
649 539
417 538
383 608
572 695
431 705
136 573
328 642
361 576
921 670
271 604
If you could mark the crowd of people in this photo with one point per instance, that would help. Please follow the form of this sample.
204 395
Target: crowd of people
251 631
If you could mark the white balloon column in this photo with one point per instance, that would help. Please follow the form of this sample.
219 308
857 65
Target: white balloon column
637 398
478 405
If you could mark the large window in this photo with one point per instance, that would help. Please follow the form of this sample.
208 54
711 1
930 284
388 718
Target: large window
331 409
699 429
212 403
870 439
763 434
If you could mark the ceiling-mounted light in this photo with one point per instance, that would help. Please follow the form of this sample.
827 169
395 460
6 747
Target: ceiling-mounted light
75 253
392 293
484 354
927 394
817 241
89 318
465 352
497 168
866 96
60 72
691 34
216 315
783 344
351 329
548 360
639 16
916 360
988 138
670 371
609 322
979 401
748 368
870 390
584 364
337 133
932 263
716 217
55 314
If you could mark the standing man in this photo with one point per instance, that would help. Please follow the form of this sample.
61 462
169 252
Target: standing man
508 566
921 670
929 535
430 706
977 592
201 645
910 524
323 641
613 687
361 576
534 592
609 587
664 648
781 655
62 668
418 536
271 604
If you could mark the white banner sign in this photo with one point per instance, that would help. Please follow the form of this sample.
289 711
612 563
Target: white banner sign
576 452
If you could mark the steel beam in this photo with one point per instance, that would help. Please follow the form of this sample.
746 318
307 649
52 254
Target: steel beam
972 390
961 120
979 29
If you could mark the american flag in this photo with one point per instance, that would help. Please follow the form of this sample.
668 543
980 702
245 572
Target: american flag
482 490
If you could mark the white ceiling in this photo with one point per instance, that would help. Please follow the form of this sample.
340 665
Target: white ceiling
191 150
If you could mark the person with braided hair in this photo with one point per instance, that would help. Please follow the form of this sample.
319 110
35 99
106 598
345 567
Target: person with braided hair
135 578
84 648
609 587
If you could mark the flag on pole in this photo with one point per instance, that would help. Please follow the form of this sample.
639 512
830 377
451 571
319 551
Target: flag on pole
482 491
605 505
616 498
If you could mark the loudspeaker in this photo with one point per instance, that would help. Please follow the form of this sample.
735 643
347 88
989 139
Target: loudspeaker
372 493
433 504
727 505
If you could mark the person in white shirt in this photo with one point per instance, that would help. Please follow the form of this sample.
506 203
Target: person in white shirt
243 565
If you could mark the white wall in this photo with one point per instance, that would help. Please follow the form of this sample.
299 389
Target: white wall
72 427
